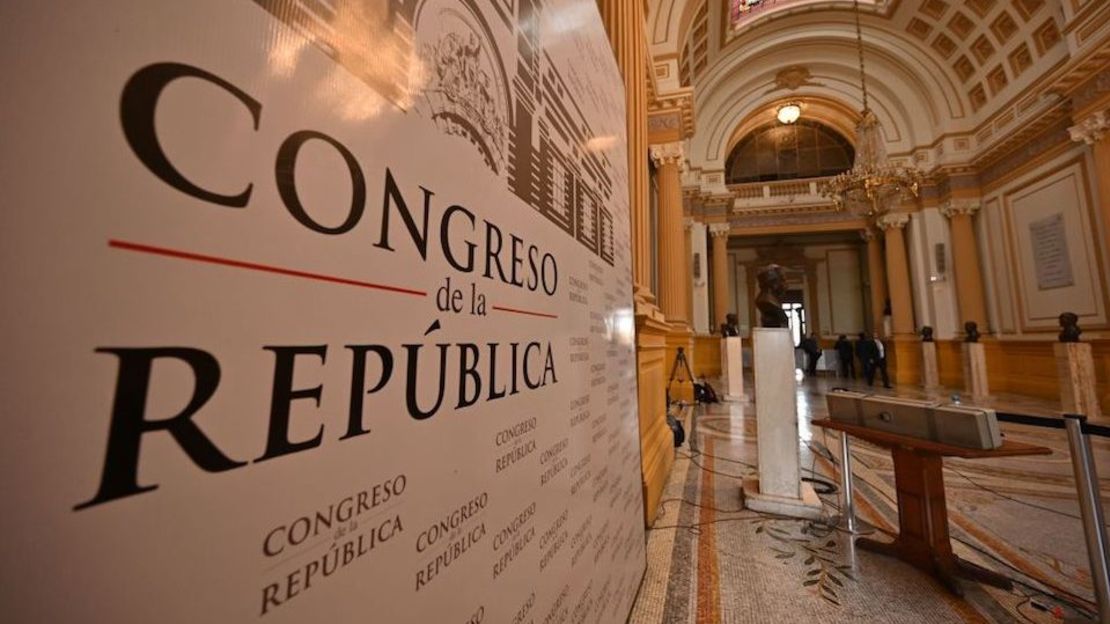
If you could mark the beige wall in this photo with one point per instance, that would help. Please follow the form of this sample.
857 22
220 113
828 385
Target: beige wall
844 294
1019 305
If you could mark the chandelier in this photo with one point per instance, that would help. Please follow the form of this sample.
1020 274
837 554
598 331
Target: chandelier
872 185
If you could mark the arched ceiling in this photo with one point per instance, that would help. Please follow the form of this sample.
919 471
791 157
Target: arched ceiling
935 68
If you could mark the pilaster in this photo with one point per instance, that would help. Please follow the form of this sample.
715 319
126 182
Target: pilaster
1094 131
876 275
898 272
970 295
719 233
673 269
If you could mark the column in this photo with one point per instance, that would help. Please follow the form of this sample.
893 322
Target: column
624 22
673 268
898 273
965 258
876 274
719 233
1094 130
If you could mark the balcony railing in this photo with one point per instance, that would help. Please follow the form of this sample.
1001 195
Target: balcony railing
804 192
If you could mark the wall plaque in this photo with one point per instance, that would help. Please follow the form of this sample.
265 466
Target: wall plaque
1048 238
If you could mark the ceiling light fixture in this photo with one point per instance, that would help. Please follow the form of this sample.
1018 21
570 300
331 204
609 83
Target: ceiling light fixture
873 185
789 113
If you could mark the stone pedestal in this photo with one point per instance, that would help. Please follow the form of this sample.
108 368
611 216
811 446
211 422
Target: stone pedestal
975 370
732 368
930 374
779 488
1076 369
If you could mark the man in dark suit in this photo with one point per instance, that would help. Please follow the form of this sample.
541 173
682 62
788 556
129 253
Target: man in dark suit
868 353
862 352
845 355
873 356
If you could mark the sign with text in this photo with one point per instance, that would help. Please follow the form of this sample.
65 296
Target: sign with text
1050 252
316 311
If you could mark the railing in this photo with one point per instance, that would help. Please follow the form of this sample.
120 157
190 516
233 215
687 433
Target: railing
804 192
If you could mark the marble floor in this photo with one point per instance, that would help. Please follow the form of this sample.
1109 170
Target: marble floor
709 561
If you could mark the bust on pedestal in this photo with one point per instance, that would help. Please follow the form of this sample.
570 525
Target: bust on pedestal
1075 366
930 374
732 359
779 489
975 363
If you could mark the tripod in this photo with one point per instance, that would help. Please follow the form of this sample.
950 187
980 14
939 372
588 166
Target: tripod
680 358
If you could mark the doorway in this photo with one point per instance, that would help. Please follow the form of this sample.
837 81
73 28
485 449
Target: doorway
793 304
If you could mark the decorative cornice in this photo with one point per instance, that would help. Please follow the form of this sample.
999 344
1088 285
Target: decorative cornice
894 220
668 154
741 221
720 230
955 207
688 223
677 105
1091 129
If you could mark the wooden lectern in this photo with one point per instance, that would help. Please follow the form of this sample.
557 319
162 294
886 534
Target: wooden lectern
922 514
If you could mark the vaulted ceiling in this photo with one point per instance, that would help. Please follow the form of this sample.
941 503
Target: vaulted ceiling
941 74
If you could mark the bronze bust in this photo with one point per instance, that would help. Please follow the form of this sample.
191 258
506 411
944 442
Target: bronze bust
772 286
926 333
971 331
1069 327
731 326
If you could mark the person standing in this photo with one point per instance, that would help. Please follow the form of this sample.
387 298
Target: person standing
863 353
879 351
845 355
812 348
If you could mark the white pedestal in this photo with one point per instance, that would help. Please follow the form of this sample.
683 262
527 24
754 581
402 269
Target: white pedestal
1076 369
930 374
779 488
732 368
975 370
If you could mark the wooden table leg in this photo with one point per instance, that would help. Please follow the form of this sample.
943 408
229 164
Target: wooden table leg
923 540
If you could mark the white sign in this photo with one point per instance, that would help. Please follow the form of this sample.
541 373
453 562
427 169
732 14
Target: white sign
316 312
1050 252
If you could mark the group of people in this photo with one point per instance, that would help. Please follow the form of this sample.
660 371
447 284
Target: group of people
870 351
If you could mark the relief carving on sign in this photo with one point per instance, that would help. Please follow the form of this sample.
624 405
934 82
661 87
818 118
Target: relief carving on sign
465 94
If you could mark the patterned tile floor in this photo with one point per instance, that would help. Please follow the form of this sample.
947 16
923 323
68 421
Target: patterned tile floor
711 562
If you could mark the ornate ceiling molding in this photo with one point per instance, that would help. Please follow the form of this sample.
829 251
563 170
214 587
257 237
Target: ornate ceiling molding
1091 129
894 220
668 154
787 218
792 78
720 230
954 207
672 111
